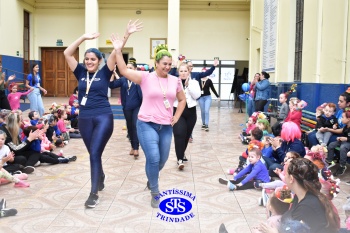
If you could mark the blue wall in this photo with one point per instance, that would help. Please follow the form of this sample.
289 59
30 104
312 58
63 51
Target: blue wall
14 65
314 94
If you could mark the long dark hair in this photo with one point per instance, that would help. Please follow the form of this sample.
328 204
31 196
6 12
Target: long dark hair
305 173
33 75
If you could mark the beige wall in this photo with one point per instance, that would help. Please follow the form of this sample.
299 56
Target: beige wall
11 27
205 35
325 39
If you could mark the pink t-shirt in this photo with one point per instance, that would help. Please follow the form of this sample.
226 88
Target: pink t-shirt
61 126
14 99
153 108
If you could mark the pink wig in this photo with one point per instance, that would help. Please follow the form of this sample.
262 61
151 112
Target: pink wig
290 131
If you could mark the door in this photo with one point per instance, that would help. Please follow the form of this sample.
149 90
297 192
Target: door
58 79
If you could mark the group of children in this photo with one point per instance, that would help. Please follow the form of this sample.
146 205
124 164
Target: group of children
252 173
55 130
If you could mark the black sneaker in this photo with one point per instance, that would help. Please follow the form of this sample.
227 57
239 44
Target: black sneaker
28 169
2 204
72 158
180 164
92 201
184 159
203 127
340 171
206 128
223 181
8 212
63 160
257 185
101 185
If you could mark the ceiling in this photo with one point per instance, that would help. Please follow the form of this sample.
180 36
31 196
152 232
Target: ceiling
208 5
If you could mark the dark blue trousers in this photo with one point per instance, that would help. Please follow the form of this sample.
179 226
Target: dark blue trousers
131 119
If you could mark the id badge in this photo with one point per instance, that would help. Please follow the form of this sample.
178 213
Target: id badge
83 101
202 92
166 103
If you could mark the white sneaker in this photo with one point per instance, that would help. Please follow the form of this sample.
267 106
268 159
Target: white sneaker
180 164
37 164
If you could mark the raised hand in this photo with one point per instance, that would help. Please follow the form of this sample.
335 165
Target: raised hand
135 26
216 62
117 42
91 36
12 77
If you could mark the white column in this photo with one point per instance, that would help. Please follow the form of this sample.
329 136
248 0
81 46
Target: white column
91 21
174 27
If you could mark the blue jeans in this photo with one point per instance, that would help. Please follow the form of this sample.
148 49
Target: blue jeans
96 132
131 119
155 140
313 140
204 104
250 107
36 102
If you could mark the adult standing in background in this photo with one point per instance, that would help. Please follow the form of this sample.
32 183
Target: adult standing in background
4 103
251 99
131 96
262 91
155 119
205 100
33 81
183 128
95 114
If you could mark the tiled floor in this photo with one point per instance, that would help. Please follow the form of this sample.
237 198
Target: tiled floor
55 200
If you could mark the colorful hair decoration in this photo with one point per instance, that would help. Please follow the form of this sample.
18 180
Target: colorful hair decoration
284 194
181 57
348 90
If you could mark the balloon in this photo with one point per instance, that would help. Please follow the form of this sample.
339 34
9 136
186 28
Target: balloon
146 67
245 87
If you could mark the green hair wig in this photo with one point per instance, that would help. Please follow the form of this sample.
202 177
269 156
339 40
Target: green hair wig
161 51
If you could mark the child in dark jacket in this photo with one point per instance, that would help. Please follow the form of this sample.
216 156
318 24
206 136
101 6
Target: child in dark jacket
326 120
257 172
343 142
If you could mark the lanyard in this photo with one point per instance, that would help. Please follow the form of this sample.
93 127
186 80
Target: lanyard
161 87
129 84
88 82
203 83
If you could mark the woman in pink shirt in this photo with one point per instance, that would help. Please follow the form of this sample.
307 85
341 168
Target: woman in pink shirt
155 118
14 97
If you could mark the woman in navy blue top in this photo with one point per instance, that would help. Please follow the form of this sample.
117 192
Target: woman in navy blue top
95 116
131 96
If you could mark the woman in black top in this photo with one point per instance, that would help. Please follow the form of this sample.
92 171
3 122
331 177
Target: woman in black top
205 100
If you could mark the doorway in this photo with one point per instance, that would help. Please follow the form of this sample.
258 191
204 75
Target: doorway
58 79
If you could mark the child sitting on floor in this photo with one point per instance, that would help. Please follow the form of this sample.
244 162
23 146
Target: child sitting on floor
250 125
257 172
7 156
256 137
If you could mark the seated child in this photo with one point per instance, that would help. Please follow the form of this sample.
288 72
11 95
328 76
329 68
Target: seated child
3 114
256 137
284 110
45 157
267 187
7 156
66 133
264 125
72 118
326 120
34 117
276 207
51 132
250 125
267 150
257 172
